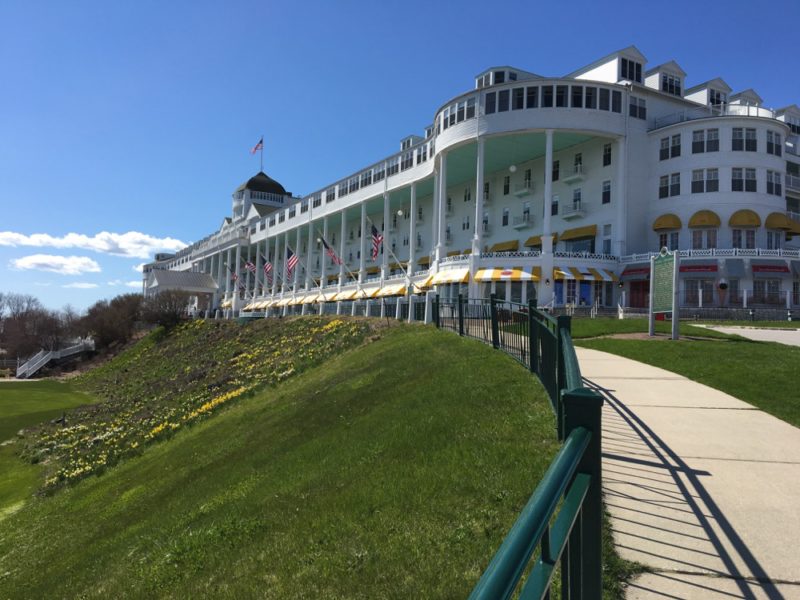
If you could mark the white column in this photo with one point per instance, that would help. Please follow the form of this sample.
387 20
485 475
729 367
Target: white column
341 249
477 239
412 231
386 241
296 272
362 245
309 254
619 185
247 272
547 282
275 267
227 272
283 266
238 283
435 210
323 257
442 204
258 290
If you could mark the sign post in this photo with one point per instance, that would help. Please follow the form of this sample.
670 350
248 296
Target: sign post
664 289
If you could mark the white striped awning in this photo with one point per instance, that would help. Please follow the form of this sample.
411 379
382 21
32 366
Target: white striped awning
284 301
509 274
451 276
397 289
345 295
367 292
311 298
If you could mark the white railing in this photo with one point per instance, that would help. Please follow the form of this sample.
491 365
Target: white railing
523 221
455 259
703 112
41 358
793 182
514 254
718 252
585 255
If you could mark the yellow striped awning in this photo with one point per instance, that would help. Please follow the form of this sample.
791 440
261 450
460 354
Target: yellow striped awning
326 297
560 273
264 304
602 274
705 218
509 246
425 260
467 252
396 289
226 304
248 307
745 218
368 292
509 274
588 231
451 276
346 295
373 270
424 284
536 240
667 222
453 253
284 301
778 220
311 298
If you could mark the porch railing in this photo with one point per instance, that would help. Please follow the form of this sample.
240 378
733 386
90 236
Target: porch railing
572 485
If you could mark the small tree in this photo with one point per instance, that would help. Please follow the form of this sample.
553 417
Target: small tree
113 321
166 308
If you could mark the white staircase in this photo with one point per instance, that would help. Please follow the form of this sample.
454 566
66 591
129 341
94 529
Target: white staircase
44 357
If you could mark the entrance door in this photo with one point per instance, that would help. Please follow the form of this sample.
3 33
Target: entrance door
640 294
585 294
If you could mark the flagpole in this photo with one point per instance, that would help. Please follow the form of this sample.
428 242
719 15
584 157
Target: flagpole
344 262
262 153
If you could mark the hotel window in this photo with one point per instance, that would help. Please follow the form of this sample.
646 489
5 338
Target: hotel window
366 178
717 98
576 199
578 162
698 141
630 69
499 77
668 240
616 102
518 100
485 221
532 97
554 205
460 112
705 180
527 178
405 240
556 165
774 185
591 97
750 143
744 238
465 224
737 179
547 96
526 211
380 174
607 238
637 108
774 143
506 185
749 180
512 76
606 154
502 100
675 184
561 95
317 201
606 194
675 147
775 239
671 84
471 108
505 217
491 103
467 194
577 96
663 153
604 99
663 186
446 118
709 236
486 190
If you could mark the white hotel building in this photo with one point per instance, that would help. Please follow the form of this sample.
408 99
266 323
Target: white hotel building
555 189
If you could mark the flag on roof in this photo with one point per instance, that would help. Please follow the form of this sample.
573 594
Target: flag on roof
291 262
258 146
330 252
377 240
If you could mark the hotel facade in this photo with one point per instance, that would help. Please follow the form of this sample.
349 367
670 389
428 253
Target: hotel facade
552 190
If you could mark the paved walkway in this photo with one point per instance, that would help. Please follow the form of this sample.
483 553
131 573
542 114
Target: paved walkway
790 337
704 489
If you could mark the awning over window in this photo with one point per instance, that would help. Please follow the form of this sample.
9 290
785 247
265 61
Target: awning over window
467 251
311 298
332 278
579 233
667 222
745 218
425 260
535 241
396 289
509 274
704 218
691 270
226 304
602 274
345 295
770 269
424 284
248 307
327 297
734 267
373 270
509 246
638 272
367 292
454 253
284 301
451 276
778 220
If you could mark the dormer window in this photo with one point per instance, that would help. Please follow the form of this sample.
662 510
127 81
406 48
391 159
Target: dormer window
630 70
512 76
717 98
671 84
499 77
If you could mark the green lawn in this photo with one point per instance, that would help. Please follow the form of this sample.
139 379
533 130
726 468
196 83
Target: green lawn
25 404
761 373
589 328
391 470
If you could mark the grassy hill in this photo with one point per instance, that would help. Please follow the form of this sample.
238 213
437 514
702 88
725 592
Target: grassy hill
388 469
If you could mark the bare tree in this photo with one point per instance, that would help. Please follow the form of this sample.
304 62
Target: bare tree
166 308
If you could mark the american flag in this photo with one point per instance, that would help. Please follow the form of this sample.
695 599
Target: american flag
291 262
250 266
377 240
330 252
258 146
268 270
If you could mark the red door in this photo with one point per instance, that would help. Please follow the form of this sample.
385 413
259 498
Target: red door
640 294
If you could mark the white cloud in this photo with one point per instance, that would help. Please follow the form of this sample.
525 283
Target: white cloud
81 285
130 284
63 265
138 268
132 244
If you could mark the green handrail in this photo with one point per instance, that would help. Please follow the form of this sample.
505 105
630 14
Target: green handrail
504 572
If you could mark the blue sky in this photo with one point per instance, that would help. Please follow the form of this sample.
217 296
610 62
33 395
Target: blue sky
135 118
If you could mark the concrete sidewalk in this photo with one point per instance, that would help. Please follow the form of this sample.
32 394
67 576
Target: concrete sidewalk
790 337
703 489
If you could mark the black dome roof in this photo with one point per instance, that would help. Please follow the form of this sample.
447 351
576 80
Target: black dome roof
261 182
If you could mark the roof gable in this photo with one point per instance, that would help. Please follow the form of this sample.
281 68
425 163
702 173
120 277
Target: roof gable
749 95
668 67
631 52
717 83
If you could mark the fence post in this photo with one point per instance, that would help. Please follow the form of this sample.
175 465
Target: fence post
495 327
460 315
584 575
564 322
533 339
436 310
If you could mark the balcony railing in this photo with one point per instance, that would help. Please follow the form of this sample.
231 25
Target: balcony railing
577 174
573 211
523 221
525 188
704 112
793 182
719 252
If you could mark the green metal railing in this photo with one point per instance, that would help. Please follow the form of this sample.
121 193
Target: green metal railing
562 521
